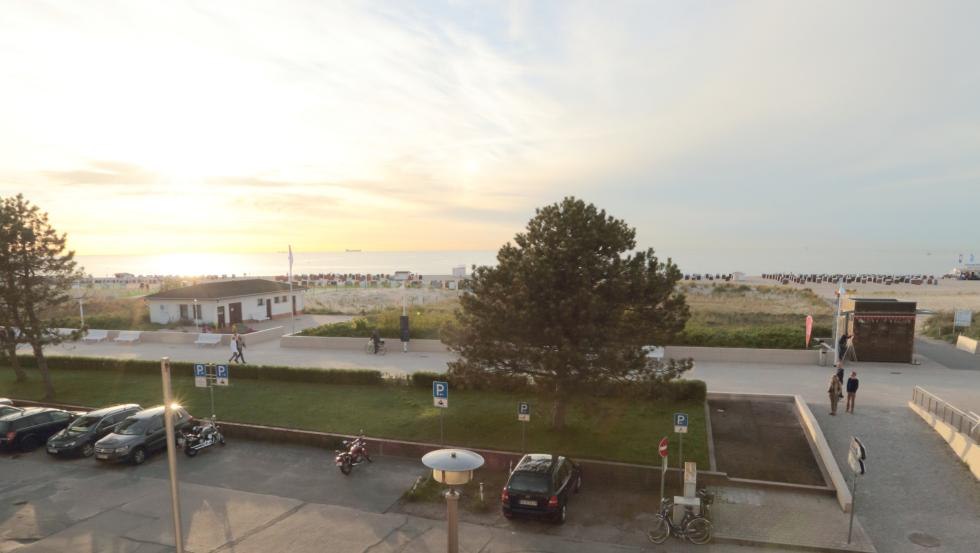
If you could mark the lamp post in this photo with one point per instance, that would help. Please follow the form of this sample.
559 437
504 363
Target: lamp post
453 467
197 321
79 294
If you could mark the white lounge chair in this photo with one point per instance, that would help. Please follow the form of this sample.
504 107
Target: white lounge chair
208 339
95 335
655 352
128 336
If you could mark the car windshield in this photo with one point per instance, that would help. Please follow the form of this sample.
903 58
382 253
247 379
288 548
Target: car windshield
130 427
534 482
83 424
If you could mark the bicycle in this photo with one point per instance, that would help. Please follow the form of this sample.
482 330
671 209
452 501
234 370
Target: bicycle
694 528
369 347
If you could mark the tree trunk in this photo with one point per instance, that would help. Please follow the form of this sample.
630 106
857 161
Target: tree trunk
15 363
42 365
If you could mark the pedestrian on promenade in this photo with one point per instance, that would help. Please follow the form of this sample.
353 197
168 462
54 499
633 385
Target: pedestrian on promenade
852 388
241 348
842 349
235 356
834 393
840 377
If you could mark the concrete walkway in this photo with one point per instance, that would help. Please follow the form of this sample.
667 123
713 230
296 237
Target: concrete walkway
266 353
946 354
914 485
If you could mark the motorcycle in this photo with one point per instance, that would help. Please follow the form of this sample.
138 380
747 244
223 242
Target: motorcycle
353 454
201 436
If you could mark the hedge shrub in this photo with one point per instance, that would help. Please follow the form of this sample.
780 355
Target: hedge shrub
186 368
769 337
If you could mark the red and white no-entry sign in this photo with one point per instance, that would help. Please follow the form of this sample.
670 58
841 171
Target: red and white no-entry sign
663 446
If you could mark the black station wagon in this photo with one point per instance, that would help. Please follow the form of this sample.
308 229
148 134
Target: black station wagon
540 486
30 428
139 435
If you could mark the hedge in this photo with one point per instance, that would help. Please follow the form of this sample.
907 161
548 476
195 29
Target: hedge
186 368
771 337
675 390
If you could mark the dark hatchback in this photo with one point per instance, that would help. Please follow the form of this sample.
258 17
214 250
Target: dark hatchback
540 486
30 428
139 435
80 436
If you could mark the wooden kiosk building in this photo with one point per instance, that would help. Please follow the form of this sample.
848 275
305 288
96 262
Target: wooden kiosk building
882 329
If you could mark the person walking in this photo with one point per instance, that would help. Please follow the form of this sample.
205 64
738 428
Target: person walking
241 348
842 349
234 348
852 388
834 393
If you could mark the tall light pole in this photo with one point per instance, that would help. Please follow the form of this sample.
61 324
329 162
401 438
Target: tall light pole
840 297
168 421
197 321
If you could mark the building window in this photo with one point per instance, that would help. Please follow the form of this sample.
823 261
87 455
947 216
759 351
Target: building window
183 311
261 302
277 299
284 299
162 308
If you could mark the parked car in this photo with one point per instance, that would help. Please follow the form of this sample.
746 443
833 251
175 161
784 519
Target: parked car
29 428
6 409
139 435
540 486
80 436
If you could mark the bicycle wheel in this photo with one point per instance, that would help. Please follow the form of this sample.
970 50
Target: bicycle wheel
661 530
698 530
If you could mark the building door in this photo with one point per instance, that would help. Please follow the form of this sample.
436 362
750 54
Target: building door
268 308
235 312
294 305
221 316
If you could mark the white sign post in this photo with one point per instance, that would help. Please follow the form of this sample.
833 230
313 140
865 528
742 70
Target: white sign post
440 398
680 427
524 415
662 450
856 456
962 318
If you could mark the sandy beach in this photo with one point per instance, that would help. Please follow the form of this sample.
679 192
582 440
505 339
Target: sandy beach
948 295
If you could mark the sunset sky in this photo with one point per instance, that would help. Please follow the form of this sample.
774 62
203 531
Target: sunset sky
243 126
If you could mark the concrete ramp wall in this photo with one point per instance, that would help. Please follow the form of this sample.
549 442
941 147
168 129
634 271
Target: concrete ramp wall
962 445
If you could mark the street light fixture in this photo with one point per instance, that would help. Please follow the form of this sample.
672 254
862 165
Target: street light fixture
453 467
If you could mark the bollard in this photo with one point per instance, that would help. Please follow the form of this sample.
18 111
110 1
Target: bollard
481 493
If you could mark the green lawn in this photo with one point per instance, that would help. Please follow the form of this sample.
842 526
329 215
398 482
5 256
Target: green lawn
598 428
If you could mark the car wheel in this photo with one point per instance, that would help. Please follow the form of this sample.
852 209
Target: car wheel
139 455
345 467
29 443
88 450
190 451
562 515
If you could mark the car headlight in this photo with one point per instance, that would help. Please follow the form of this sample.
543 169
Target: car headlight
122 449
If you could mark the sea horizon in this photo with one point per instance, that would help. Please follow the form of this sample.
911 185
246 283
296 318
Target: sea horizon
435 262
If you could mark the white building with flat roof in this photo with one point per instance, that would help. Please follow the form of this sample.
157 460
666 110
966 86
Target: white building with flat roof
226 302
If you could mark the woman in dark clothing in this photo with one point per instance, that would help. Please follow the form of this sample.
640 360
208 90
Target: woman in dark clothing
840 376
852 388
841 350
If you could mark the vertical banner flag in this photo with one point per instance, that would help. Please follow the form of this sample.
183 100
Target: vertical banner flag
809 329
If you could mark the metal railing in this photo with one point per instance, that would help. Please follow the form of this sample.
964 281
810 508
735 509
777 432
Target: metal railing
965 423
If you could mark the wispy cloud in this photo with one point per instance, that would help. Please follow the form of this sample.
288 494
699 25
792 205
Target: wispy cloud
460 118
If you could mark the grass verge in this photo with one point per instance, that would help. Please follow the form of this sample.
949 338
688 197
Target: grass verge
597 428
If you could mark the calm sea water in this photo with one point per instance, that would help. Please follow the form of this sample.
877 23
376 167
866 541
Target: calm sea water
750 261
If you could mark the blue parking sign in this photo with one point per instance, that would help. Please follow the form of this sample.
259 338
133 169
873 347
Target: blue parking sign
440 394
200 375
680 423
221 375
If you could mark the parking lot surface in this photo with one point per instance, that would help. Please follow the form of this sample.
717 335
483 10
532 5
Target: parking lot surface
254 497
